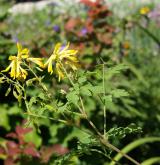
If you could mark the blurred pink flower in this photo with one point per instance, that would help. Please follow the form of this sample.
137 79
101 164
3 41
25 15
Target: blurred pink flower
155 15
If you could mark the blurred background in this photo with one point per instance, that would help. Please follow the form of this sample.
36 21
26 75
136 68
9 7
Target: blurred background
118 31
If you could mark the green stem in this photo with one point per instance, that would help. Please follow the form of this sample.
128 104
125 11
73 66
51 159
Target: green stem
44 117
13 82
82 104
109 145
71 81
104 105
150 34
100 152
40 83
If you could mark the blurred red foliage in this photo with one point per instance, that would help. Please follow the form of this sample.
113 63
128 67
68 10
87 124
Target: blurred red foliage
94 31
16 146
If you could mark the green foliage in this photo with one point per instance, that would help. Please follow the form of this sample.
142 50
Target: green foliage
122 132
115 92
6 113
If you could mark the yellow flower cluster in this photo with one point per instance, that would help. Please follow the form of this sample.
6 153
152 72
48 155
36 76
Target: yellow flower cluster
15 67
60 55
144 10
58 58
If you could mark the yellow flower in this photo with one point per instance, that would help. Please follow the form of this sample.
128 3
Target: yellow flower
61 57
16 70
24 54
144 10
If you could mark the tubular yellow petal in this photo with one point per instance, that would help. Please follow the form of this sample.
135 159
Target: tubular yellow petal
19 47
7 69
57 48
18 69
37 61
72 58
69 52
25 56
13 69
50 69
24 53
49 63
12 58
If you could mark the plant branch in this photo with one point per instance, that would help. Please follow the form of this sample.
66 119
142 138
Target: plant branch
109 145
44 117
101 137
100 152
